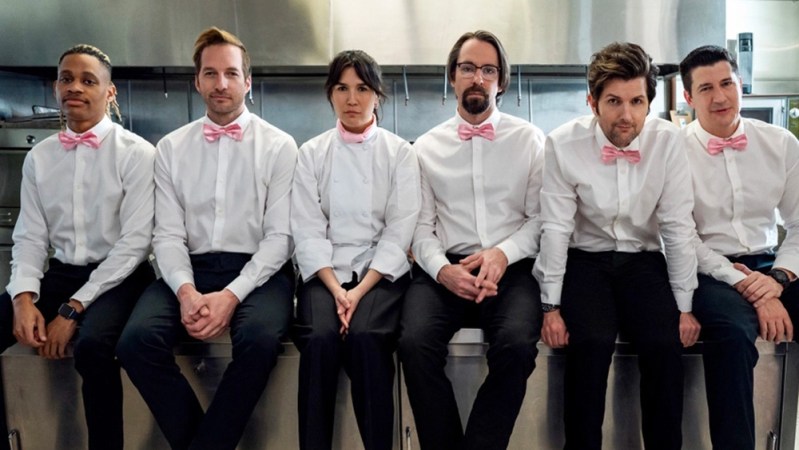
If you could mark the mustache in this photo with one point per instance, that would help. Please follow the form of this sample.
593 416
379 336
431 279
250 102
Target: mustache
71 97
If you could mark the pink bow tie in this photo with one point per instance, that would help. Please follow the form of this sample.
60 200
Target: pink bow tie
70 142
213 133
466 132
717 145
611 154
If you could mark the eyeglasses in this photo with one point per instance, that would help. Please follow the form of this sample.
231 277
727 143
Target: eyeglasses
487 72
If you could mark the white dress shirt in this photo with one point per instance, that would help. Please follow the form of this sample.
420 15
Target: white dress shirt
478 194
90 205
737 194
593 206
354 206
224 196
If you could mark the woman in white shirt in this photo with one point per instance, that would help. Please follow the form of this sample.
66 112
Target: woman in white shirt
355 200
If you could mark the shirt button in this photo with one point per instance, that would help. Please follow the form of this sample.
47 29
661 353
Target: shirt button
365 214
335 180
365 181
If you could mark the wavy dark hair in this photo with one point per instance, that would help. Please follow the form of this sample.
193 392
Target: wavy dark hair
621 60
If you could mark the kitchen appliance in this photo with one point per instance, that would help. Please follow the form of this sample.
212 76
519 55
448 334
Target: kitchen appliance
14 145
780 110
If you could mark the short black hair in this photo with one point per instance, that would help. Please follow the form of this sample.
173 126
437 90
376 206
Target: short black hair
707 55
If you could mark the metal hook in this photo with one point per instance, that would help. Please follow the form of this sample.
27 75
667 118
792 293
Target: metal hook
405 81
163 79
446 84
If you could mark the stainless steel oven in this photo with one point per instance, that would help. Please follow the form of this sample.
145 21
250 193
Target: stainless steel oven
14 145
780 110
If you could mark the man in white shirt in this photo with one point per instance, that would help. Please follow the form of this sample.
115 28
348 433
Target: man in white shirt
221 240
88 194
474 246
744 170
616 194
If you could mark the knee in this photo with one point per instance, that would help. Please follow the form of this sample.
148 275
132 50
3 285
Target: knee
322 341
420 345
592 342
366 340
90 350
255 341
515 345
139 343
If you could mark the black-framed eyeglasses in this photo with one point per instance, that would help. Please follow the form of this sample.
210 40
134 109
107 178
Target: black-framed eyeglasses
488 72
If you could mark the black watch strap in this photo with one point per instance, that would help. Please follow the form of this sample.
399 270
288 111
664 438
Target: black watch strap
68 311
549 307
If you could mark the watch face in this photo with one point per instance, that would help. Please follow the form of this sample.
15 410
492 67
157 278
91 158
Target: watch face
67 311
781 277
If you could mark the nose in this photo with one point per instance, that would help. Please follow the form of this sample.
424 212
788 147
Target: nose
75 86
221 83
352 98
626 111
718 96
478 77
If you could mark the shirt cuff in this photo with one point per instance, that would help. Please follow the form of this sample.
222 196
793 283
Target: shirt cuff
511 251
87 294
550 293
684 300
178 279
435 266
729 275
19 286
789 262
390 260
241 287
313 255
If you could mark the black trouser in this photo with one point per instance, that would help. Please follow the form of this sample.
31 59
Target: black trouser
366 353
145 350
729 330
604 293
94 343
511 321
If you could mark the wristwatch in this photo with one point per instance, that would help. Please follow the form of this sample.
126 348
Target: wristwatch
68 311
549 307
781 277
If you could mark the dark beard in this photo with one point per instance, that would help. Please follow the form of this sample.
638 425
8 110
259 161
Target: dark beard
474 105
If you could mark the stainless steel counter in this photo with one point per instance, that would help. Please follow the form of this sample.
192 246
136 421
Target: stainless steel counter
45 410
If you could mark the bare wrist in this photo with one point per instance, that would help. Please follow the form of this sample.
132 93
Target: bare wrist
77 305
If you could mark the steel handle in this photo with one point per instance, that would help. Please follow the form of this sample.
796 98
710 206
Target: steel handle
14 440
772 440
408 445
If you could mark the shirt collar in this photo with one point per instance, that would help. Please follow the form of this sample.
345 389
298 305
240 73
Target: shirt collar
705 136
101 129
242 120
493 119
367 134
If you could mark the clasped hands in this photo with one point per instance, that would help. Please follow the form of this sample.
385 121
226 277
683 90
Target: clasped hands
205 316
458 278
